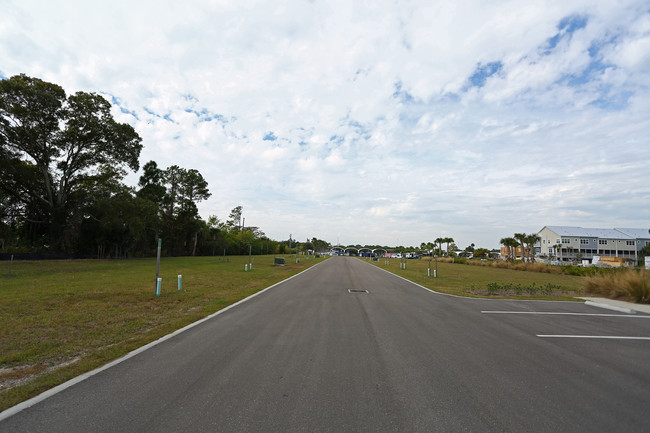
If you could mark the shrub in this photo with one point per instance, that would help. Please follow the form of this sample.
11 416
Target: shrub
631 284
509 289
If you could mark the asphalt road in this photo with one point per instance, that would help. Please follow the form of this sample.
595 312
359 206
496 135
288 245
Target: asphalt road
309 356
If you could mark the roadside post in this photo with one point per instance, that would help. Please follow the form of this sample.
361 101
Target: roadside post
180 283
158 284
158 267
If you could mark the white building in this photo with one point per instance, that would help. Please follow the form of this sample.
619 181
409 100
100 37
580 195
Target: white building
569 243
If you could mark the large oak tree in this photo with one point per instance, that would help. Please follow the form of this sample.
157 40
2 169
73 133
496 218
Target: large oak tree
52 148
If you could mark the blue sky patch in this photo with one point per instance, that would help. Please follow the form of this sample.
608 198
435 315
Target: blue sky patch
613 101
590 73
150 112
115 101
207 116
270 136
401 94
567 26
483 72
572 23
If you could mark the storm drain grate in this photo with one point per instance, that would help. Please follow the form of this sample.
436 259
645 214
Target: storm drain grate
357 291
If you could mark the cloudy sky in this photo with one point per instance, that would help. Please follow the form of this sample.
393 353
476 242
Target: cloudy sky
371 122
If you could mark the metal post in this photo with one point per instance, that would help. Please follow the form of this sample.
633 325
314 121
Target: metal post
158 266
158 284
435 272
180 283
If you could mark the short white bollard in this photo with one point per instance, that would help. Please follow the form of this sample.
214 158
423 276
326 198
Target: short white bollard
180 283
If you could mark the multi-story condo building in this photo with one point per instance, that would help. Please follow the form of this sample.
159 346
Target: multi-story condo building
567 243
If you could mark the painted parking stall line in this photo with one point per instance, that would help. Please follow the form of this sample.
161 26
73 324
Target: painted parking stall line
552 313
602 337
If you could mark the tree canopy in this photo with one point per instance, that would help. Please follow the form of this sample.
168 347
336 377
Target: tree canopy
54 152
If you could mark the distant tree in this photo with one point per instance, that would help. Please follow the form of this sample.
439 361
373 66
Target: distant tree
531 240
448 241
439 242
643 253
482 252
52 146
152 183
506 244
234 219
521 238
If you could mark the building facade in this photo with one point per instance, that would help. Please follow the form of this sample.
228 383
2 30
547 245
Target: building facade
568 243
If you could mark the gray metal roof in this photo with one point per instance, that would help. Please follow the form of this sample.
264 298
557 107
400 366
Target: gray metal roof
627 234
636 233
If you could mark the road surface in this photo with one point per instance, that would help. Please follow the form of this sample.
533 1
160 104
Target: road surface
310 356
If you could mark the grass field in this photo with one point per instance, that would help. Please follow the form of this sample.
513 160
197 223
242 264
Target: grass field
465 280
63 318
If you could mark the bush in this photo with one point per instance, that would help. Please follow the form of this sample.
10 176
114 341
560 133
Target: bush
630 284
510 289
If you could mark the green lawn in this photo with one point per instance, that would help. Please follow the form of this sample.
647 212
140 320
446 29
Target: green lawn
63 318
468 280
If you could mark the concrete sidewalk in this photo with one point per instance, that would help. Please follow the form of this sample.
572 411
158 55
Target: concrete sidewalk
613 304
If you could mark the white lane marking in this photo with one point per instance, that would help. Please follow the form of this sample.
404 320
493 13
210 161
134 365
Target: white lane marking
551 313
606 337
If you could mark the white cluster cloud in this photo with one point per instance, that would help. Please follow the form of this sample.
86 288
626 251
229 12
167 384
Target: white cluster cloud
383 122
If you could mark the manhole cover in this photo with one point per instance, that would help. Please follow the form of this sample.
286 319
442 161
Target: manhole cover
357 291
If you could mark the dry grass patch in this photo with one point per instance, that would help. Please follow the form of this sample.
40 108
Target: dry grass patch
487 281
630 284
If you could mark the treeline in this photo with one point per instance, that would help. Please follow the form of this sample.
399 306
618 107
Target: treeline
63 159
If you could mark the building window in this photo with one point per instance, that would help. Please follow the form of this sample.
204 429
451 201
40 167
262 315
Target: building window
584 241
566 241
602 241
629 242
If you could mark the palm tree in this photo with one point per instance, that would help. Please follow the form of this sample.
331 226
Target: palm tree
506 243
512 245
531 240
521 237
448 241
439 241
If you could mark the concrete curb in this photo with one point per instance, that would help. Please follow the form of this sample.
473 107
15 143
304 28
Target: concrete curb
65 385
611 307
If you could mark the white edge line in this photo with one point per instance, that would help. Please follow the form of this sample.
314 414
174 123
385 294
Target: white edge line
65 385
550 313
611 307
606 337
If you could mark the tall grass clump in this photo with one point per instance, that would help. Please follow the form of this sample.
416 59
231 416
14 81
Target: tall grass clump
631 284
